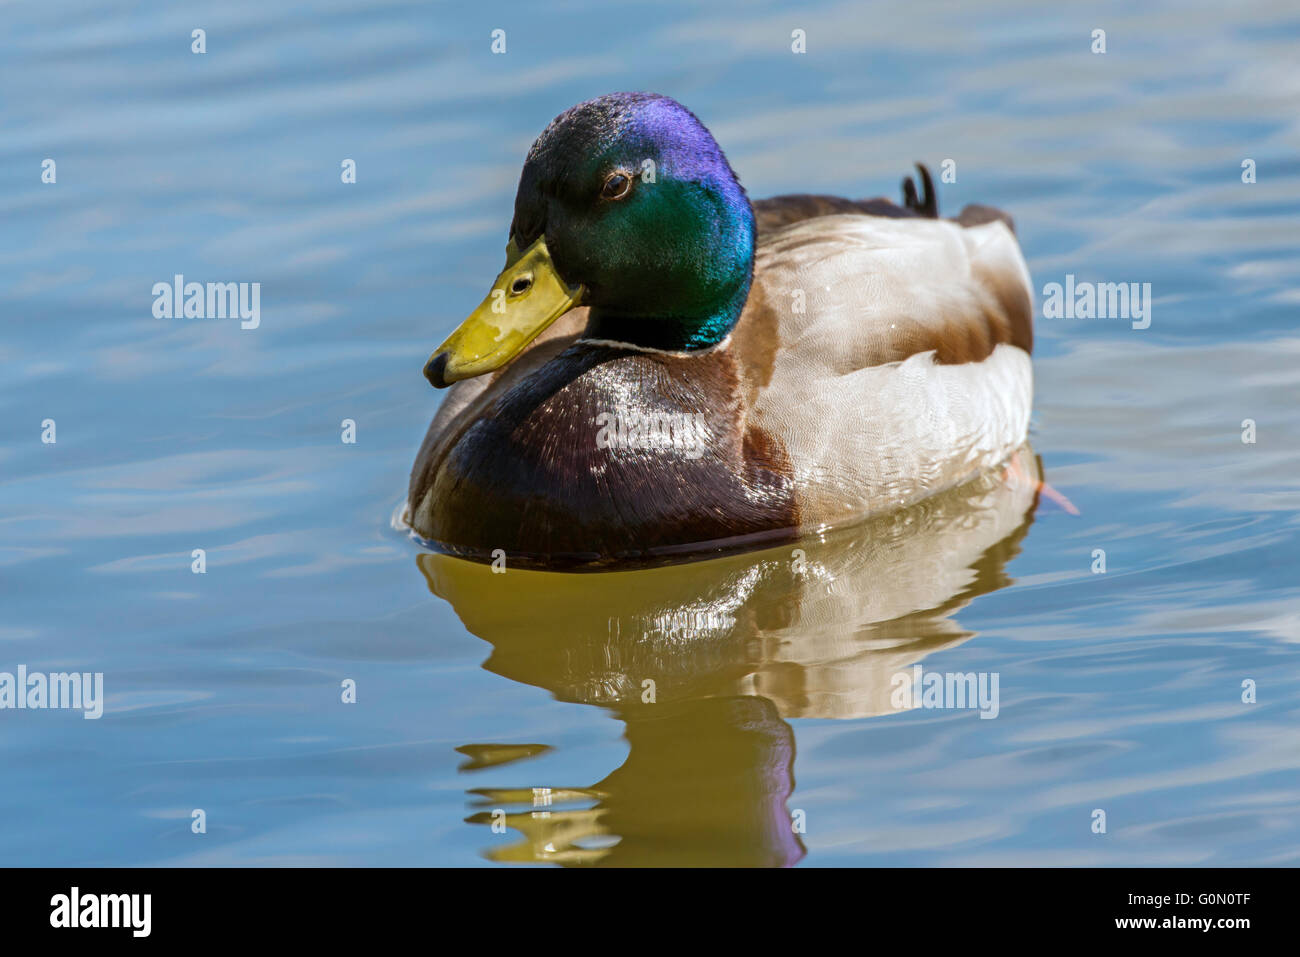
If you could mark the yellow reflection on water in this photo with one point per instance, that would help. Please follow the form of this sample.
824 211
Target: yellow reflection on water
704 662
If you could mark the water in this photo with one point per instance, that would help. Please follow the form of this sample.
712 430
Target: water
1119 691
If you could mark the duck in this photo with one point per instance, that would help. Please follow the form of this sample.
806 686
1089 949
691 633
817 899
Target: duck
666 371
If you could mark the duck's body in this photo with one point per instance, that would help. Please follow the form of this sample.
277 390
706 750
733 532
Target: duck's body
878 356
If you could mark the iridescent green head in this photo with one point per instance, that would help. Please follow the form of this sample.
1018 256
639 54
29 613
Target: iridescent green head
626 205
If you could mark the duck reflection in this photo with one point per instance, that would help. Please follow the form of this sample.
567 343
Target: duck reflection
704 662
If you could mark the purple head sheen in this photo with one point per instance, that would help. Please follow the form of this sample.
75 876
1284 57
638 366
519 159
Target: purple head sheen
669 263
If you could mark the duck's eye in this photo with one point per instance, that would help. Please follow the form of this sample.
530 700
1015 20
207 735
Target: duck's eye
521 284
617 185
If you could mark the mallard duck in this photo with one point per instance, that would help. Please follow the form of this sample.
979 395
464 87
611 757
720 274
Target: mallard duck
665 370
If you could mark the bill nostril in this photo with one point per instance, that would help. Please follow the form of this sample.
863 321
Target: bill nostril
435 371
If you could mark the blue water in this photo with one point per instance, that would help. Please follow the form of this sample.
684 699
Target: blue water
1120 691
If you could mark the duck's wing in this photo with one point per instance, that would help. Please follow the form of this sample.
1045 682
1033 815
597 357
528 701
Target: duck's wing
853 291
888 357
778 212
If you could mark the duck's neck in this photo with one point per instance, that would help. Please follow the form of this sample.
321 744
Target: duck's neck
670 333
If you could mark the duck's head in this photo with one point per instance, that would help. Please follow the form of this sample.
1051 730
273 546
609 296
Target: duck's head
625 205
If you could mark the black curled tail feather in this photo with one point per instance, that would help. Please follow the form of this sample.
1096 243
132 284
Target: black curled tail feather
927 204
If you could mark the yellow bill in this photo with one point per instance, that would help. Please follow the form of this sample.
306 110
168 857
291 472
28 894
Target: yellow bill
527 297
